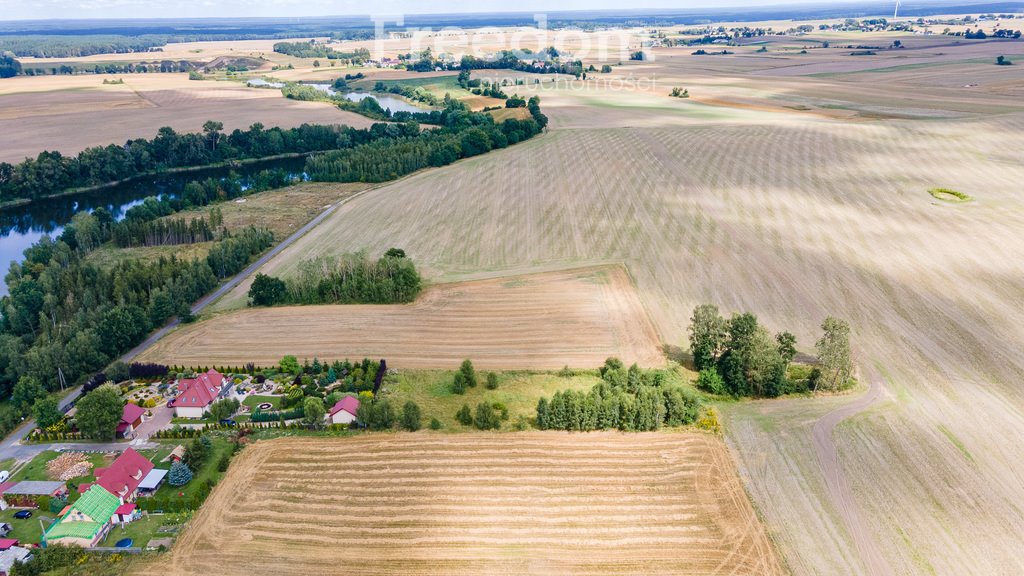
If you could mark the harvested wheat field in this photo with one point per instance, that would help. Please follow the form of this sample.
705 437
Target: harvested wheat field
526 503
541 321
36 115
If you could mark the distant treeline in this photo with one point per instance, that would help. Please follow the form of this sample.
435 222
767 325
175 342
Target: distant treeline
545 62
52 173
53 46
349 279
461 134
313 50
165 66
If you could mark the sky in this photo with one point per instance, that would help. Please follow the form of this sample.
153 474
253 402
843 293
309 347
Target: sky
49 9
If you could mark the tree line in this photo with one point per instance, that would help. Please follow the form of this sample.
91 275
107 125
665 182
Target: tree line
52 172
631 400
349 279
461 134
312 49
740 357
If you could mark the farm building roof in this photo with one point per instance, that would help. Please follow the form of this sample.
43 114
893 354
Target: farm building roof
131 413
348 404
35 488
86 516
201 391
124 474
11 555
153 479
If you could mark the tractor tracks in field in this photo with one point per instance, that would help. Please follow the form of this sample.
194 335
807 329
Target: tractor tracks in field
838 487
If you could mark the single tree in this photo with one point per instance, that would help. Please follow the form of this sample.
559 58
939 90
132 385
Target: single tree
707 335
459 383
212 129
267 291
468 372
411 416
179 475
46 412
464 415
492 381
99 413
313 412
26 392
834 354
435 424
486 418
787 346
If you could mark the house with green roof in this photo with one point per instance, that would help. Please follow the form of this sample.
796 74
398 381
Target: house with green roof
86 522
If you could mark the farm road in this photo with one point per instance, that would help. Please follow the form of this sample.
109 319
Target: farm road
839 489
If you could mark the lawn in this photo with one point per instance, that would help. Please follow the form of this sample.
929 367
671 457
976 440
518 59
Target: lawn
254 400
36 468
208 471
519 391
27 531
143 530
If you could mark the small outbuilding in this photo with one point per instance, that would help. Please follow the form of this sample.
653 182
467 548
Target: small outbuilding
125 513
132 417
151 483
9 556
24 493
344 412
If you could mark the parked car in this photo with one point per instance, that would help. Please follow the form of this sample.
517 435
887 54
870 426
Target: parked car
228 422
5 529
23 514
4 475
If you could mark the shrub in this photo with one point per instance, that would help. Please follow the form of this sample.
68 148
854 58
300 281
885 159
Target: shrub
709 421
435 424
459 383
710 381
464 416
411 416
486 418
492 381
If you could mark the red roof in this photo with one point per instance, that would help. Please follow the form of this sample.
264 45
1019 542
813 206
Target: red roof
83 487
5 486
131 413
349 404
201 391
6 543
123 476
125 509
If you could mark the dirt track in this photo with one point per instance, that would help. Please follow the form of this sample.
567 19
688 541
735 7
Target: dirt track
528 503
540 321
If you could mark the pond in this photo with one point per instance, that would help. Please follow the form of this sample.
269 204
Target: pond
22 226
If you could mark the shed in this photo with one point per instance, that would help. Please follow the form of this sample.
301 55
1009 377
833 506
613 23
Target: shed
11 555
125 513
132 417
152 481
24 493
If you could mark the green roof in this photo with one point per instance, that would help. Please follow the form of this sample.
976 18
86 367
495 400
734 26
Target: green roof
97 504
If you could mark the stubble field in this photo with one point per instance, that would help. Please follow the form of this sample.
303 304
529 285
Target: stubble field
524 503
794 199
543 321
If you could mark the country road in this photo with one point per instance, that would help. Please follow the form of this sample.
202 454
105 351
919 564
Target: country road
839 489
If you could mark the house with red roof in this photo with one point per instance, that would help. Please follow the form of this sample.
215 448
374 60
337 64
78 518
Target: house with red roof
344 412
123 476
131 418
196 394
